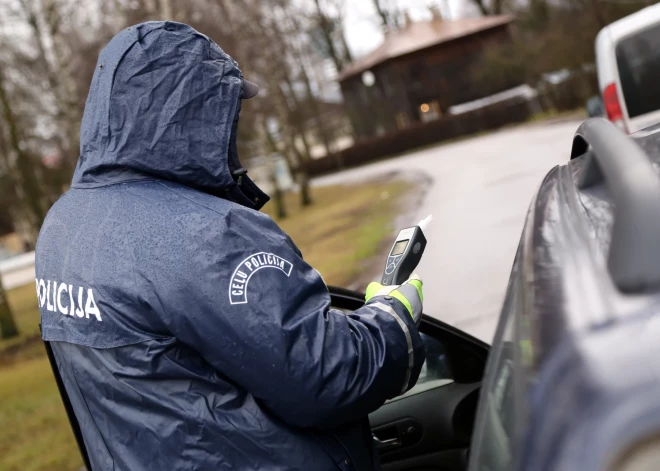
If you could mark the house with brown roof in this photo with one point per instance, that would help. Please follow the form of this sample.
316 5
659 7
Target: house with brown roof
418 72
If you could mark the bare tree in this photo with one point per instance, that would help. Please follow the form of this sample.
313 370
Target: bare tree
20 166
45 76
331 27
494 7
268 27
278 196
389 18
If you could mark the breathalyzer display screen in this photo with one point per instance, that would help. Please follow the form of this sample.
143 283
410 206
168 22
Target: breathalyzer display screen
399 247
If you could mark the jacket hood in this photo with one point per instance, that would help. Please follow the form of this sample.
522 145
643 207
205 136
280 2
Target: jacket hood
164 103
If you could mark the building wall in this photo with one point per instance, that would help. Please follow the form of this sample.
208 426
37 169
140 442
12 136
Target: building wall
433 79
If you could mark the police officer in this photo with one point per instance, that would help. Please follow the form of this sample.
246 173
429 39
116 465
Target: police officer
187 328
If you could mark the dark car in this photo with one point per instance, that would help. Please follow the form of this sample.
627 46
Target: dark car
570 382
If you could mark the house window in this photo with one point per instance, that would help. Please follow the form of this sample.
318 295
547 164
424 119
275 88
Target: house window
429 111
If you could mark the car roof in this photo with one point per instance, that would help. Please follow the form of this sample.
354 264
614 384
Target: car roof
611 34
630 24
595 346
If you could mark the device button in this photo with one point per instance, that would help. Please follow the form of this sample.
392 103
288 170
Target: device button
390 269
416 248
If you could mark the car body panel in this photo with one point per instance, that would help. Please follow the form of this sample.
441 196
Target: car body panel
585 384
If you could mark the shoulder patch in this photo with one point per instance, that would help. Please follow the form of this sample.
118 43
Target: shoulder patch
248 267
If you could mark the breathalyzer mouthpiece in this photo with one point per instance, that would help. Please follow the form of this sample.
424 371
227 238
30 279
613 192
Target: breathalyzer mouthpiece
423 224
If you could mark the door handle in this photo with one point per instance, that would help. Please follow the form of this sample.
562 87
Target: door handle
387 445
400 434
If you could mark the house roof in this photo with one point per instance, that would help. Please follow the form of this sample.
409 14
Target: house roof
420 35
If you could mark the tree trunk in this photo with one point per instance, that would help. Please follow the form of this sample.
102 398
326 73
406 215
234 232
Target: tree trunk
61 84
326 28
278 196
348 57
384 16
27 180
482 7
288 106
298 125
301 174
305 192
323 132
8 327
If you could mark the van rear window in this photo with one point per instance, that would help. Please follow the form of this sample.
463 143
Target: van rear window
638 60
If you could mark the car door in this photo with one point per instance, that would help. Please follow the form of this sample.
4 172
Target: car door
430 427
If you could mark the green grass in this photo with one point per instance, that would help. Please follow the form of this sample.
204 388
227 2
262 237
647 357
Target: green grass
35 434
337 235
23 303
344 227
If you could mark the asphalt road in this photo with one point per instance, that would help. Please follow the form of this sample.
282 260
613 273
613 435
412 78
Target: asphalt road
479 197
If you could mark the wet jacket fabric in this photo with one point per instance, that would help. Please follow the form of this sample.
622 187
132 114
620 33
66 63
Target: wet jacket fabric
187 328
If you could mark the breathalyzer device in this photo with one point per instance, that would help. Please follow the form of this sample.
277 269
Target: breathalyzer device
405 254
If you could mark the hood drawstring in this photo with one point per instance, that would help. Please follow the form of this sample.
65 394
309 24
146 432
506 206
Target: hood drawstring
238 175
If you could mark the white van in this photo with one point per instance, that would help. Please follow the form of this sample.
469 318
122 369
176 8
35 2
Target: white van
628 62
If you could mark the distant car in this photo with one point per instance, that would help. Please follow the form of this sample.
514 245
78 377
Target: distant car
595 107
572 379
628 63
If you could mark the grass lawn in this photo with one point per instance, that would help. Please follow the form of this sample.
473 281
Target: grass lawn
337 235
343 228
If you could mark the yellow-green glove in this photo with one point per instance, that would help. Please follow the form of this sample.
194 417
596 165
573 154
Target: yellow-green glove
409 293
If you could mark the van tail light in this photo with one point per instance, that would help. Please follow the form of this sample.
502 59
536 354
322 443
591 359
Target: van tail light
612 105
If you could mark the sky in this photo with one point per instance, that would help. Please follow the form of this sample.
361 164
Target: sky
362 27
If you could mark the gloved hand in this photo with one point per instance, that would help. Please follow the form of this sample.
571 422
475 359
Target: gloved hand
409 293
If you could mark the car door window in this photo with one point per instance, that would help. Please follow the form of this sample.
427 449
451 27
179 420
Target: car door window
436 371
494 432
496 450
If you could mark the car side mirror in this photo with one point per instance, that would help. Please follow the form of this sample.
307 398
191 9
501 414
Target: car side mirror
595 107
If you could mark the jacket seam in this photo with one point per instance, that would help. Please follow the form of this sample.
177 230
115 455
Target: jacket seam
173 190
129 344
76 186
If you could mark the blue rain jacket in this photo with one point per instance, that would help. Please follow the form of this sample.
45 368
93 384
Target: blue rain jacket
188 329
